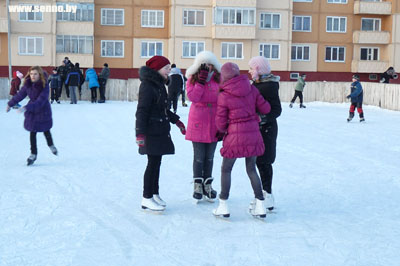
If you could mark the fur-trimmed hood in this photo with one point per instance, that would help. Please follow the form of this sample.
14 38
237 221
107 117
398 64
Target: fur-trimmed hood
204 57
148 74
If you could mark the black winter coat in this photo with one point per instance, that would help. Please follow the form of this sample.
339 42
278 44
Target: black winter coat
269 89
152 115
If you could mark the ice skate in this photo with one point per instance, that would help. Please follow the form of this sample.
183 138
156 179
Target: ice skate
291 105
53 149
184 104
268 200
351 115
302 106
208 191
222 209
362 119
31 159
198 188
159 200
151 205
259 210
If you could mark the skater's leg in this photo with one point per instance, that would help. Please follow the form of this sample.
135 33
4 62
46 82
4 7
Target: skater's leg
33 143
254 178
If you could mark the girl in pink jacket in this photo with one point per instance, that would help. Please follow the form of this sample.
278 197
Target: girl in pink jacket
237 117
202 90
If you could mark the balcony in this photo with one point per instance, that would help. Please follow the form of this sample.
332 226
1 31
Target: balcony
372 37
365 66
235 3
3 25
376 8
233 32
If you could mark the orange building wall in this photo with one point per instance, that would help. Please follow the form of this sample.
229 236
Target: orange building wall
3 49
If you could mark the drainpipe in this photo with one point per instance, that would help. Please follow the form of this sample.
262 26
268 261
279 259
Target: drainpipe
9 43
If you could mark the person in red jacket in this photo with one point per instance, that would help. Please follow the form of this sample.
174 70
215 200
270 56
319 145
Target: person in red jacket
238 106
15 84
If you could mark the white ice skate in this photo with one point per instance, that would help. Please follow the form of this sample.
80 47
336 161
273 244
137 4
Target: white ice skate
259 210
159 200
151 205
222 209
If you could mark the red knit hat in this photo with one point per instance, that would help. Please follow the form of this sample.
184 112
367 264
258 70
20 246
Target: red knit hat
157 62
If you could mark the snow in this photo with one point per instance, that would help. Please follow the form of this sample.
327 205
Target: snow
336 187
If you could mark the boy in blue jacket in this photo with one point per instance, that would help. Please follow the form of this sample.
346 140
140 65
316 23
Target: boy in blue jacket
356 97
55 86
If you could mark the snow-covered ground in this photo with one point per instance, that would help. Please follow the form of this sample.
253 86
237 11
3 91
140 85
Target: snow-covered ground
336 186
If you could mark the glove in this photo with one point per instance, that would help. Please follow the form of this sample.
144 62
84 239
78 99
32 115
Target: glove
348 96
220 135
21 110
203 73
8 108
181 127
140 140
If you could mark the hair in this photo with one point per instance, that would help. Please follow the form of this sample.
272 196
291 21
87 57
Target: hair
195 76
173 65
105 64
41 75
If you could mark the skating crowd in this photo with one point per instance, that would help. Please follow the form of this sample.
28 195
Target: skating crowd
225 106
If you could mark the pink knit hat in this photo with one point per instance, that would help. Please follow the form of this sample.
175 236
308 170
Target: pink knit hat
229 70
20 75
260 64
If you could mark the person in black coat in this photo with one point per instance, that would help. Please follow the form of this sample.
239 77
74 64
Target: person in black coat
176 85
153 127
268 85
387 75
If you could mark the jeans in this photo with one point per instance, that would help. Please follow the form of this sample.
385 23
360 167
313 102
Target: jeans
226 170
72 91
203 159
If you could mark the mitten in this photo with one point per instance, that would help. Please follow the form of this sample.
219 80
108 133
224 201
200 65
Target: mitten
181 127
220 135
348 96
140 140
203 73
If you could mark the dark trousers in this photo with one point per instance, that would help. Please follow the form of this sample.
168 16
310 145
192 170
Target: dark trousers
151 176
297 94
48 137
203 159
360 111
264 162
93 92
183 95
226 170
55 94
173 100
102 89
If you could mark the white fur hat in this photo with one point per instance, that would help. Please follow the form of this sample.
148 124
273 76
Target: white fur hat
204 57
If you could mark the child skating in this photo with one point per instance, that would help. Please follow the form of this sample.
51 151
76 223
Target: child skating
298 91
356 97
38 117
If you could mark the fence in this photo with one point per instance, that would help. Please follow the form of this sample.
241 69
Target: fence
386 96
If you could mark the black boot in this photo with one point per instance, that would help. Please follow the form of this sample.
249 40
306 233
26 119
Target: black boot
351 115
31 159
302 106
198 188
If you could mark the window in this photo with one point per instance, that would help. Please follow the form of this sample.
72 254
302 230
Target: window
30 45
336 24
300 53
232 50
150 49
111 16
301 23
191 49
373 77
294 75
302 0
270 51
371 24
235 16
74 44
30 16
370 54
335 54
193 17
153 18
337 1
84 12
270 21
112 48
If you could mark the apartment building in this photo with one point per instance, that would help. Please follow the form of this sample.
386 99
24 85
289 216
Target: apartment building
325 38
336 36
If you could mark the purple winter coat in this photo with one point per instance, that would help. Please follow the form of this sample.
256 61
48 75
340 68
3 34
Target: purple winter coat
38 116
201 122
238 104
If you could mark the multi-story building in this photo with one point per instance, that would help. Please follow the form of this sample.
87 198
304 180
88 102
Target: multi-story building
324 38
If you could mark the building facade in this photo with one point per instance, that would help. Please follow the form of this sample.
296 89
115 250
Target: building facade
324 38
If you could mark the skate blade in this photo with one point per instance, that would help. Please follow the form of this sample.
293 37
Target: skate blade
223 216
209 199
261 216
145 209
